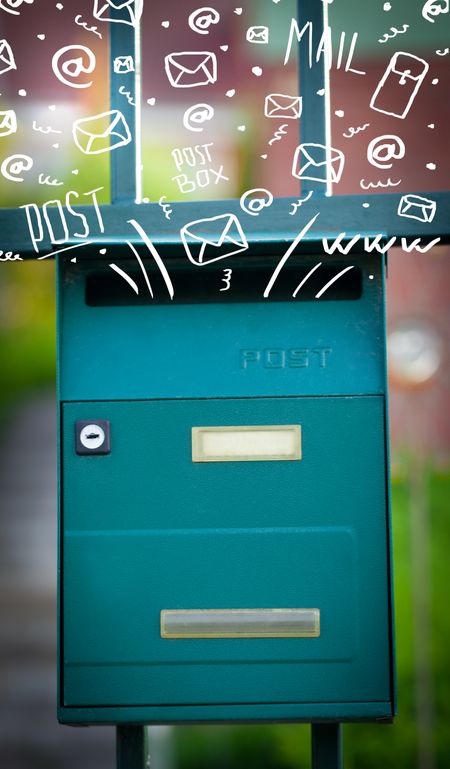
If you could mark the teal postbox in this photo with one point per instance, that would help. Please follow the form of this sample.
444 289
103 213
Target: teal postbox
225 526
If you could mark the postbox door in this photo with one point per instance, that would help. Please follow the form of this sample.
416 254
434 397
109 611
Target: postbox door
148 530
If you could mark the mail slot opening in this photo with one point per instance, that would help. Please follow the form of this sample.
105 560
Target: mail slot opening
202 285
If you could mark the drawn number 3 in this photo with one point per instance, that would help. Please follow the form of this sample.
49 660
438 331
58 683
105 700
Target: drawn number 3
227 280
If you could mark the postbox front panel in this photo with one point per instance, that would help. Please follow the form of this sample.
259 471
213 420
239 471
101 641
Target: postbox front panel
146 529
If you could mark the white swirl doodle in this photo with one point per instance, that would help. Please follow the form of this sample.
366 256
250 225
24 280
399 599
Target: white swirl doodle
15 165
299 203
278 134
128 95
201 20
165 206
85 26
47 130
73 67
197 114
253 201
382 149
376 185
444 52
394 32
434 8
10 5
10 256
353 131
49 181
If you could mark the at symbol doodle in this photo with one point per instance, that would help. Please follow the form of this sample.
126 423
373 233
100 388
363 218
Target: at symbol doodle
73 67
382 149
201 20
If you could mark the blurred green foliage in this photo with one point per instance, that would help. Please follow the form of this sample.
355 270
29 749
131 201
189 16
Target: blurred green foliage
27 355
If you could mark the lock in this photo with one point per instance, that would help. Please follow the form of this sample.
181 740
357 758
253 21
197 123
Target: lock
92 437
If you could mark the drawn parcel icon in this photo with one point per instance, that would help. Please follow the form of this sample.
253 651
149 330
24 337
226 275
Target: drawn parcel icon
280 105
399 85
188 69
310 160
119 11
217 237
7 60
101 133
8 122
417 207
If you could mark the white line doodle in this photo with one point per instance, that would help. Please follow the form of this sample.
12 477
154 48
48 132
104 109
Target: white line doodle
10 5
415 245
394 32
68 248
128 95
197 114
375 185
49 181
278 134
397 89
353 131
85 25
288 253
299 203
10 256
434 8
141 265
326 47
213 238
253 203
227 280
165 206
15 165
444 52
201 19
126 277
73 67
280 105
122 65
154 253
258 35
302 282
333 280
311 160
47 130
382 149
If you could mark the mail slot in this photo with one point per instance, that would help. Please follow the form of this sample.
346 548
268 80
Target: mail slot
224 519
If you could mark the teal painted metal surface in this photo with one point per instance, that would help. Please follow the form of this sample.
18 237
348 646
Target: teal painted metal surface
144 529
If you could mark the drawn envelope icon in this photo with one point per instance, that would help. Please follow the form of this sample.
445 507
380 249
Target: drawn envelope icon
119 11
101 133
8 122
417 207
258 35
123 65
7 60
187 69
280 105
214 238
317 163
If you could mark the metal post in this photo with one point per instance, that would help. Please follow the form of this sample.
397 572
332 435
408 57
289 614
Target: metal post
132 747
326 745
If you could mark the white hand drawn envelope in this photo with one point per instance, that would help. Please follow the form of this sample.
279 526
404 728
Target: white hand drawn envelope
123 65
8 122
214 238
7 60
188 69
397 89
101 133
131 11
280 105
258 35
310 160
417 207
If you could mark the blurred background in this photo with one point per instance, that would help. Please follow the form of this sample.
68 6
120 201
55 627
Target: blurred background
418 319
